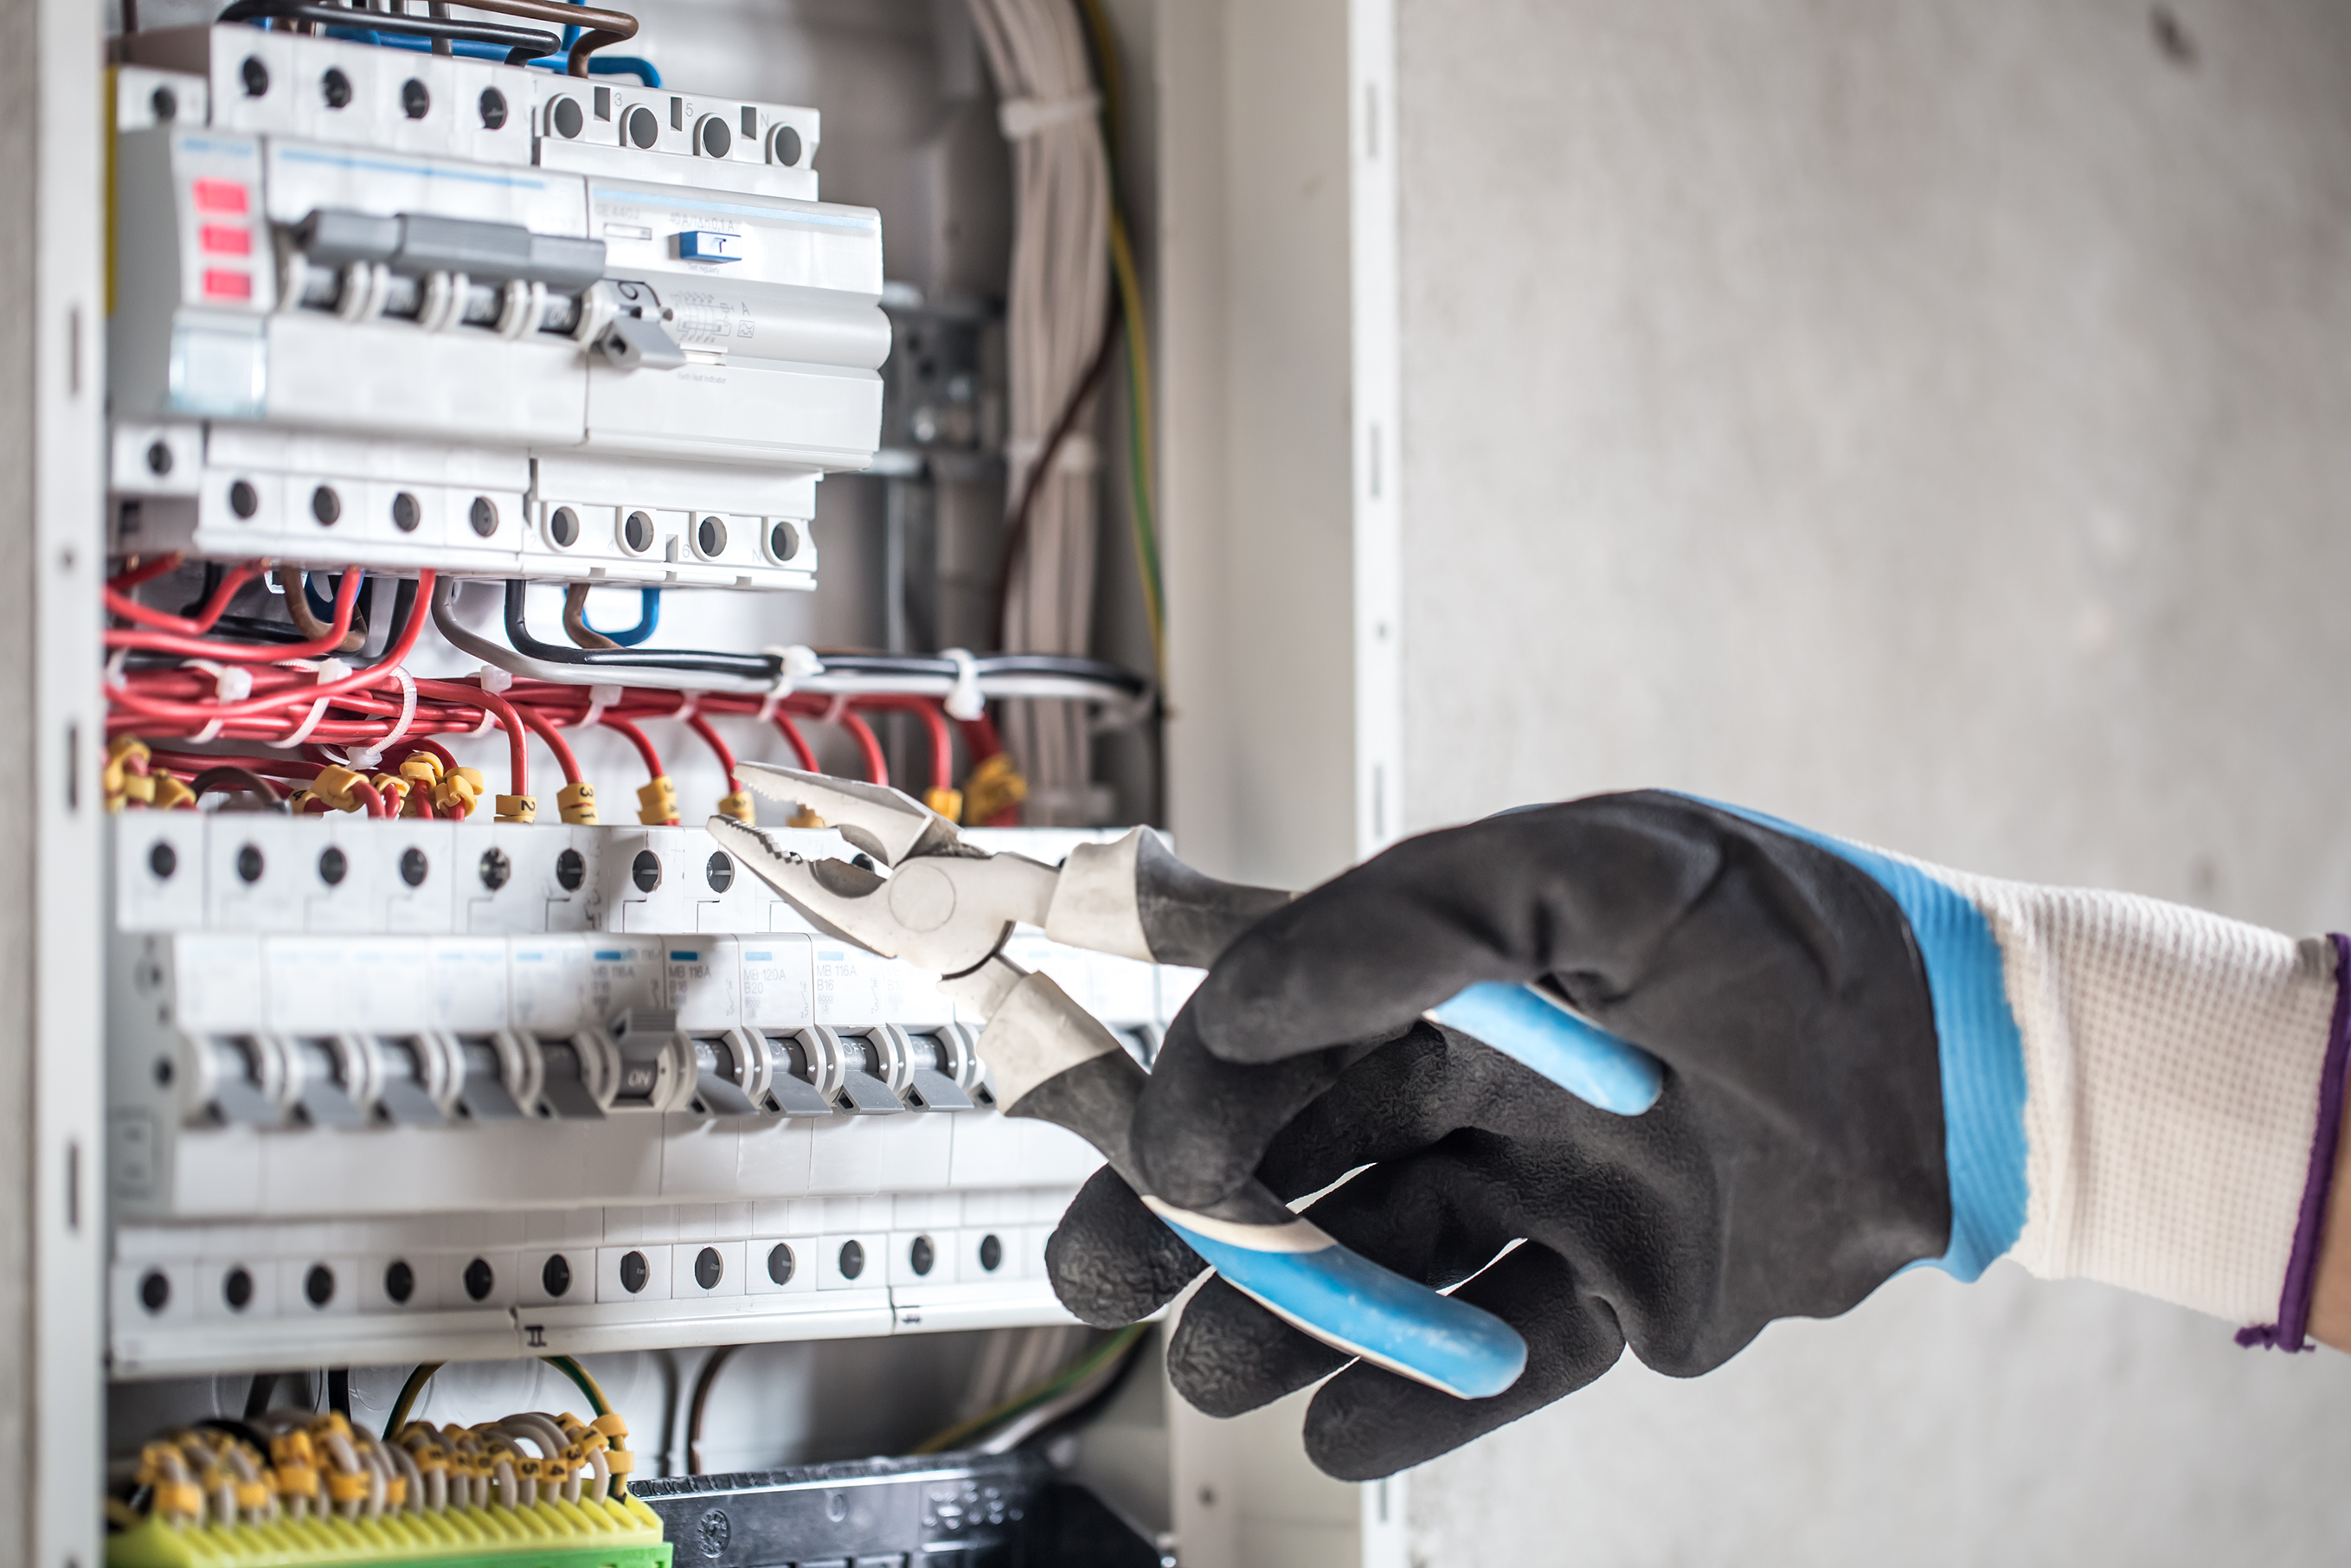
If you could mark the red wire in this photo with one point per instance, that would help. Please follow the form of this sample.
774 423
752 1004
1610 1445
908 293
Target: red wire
710 737
347 597
517 764
293 694
555 743
232 581
934 724
153 566
798 742
193 762
877 768
636 738
369 797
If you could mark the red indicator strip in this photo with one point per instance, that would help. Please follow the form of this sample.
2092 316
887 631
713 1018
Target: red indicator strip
219 196
226 239
221 283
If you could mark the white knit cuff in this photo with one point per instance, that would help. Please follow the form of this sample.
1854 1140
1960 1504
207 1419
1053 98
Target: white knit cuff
2172 1067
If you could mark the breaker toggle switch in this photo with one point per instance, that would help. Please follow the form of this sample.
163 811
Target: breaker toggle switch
654 1060
709 244
937 1062
328 1081
799 1064
568 1077
869 1061
725 1078
241 1078
412 1081
487 1089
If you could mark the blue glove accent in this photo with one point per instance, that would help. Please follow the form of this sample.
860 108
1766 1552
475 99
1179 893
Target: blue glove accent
1586 1061
1347 1300
1979 1046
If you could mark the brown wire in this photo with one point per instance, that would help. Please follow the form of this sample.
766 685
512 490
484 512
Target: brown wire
1016 525
598 27
702 1385
575 620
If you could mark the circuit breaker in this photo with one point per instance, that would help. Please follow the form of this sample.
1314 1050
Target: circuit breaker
397 309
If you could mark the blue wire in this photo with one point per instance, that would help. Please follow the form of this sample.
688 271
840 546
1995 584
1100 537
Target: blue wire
648 617
598 65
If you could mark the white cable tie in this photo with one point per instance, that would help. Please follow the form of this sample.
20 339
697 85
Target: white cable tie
599 699
489 721
495 680
687 706
793 665
114 670
325 670
369 756
231 683
964 700
1021 118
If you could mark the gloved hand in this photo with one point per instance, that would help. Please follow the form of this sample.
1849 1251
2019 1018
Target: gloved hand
1845 1094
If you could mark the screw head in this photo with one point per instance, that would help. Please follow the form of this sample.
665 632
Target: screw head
254 75
780 1263
494 109
710 535
555 1279
154 1290
643 129
718 141
853 1259
159 457
645 871
480 1279
249 864
415 98
783 541
163 860
326 505
333 866
406 513
319 1285
496 869
236 1288
571 870
244 500
634 1273
637 533
566 119
165 103
335 87
921 1256
399 1280
483 516
991 1252
720 872
563 527
786 146
709 1268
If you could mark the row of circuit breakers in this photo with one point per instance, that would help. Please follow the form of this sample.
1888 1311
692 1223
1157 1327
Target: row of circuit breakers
418 1086
398 309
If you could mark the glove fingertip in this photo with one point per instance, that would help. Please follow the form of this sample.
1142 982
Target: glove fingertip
1111 1261
1229 1356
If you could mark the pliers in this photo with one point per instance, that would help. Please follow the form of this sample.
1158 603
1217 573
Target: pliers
948 907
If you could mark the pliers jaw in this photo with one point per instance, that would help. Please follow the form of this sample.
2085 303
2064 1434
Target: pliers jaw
888 824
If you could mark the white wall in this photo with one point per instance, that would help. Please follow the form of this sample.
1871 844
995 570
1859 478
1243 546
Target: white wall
1931 423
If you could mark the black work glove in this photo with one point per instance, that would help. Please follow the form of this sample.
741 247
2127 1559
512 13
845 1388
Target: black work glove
1795 1160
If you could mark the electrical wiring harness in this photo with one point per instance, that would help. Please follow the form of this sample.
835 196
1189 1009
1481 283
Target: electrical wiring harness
358 737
